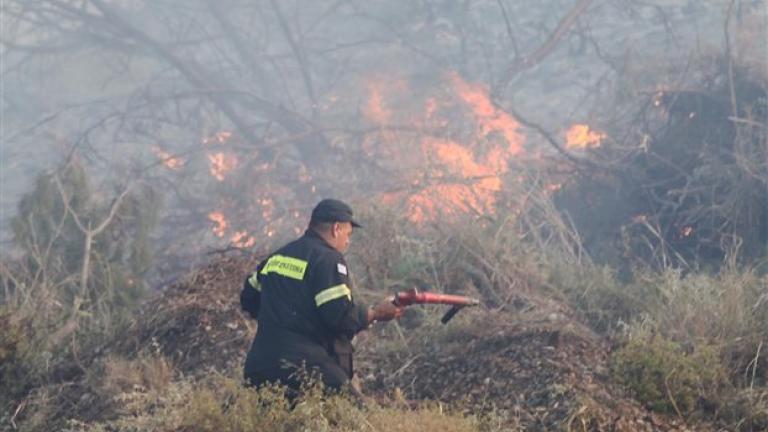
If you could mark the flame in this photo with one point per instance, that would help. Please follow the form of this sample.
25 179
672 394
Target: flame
220 220
581 136
489 117
462 182
268 208
220 137
481 177
457 175
241 239
430 107
686 231
459 160
221 163
168 159
468 179
553 187
375 110
378 111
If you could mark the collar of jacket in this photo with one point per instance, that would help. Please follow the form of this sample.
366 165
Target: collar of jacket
315 236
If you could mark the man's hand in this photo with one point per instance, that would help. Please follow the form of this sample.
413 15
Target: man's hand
384 311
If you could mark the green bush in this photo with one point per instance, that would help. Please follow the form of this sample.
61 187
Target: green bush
22 358
96 277
596 293
666 376
13 346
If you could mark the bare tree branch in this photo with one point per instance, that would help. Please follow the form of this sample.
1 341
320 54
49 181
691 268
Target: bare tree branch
301 58
85 271
546 48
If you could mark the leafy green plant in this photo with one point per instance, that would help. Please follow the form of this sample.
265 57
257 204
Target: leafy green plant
79 251
13 349
666 376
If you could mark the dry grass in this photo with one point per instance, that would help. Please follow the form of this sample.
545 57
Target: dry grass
708 358
223 404
511 267
527 254
146 375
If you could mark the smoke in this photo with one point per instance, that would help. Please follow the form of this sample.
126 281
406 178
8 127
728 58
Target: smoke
244 114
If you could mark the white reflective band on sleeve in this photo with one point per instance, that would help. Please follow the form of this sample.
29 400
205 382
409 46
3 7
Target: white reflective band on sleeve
333 293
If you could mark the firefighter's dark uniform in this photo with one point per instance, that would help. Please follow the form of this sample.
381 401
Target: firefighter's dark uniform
302 299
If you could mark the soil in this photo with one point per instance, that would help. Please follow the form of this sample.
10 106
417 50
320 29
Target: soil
541 371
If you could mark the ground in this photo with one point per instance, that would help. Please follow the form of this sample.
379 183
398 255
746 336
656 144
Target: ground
535 366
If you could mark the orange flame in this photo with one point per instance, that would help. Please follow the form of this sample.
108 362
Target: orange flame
461 162
430 107
220 220
168 159
241 239
220 164
464 177
238 239
268 208
553 187
489 117
581 136
218 138
374 108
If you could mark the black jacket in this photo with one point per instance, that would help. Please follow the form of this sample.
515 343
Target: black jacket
301 295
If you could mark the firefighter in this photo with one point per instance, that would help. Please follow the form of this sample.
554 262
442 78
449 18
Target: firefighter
302 297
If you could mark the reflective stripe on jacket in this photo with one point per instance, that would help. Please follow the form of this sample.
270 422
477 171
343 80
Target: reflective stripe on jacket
302 297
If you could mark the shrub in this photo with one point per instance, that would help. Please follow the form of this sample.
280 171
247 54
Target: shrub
78 250
668 378
22 358
595 291
13 345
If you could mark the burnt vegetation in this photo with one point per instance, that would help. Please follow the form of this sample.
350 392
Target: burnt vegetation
606 199
687 187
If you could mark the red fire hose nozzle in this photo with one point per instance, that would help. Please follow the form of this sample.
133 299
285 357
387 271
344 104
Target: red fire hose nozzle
413 296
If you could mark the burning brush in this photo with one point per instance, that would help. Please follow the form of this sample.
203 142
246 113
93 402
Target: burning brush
413 296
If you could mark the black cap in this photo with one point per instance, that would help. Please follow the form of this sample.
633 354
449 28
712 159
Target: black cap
331 210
